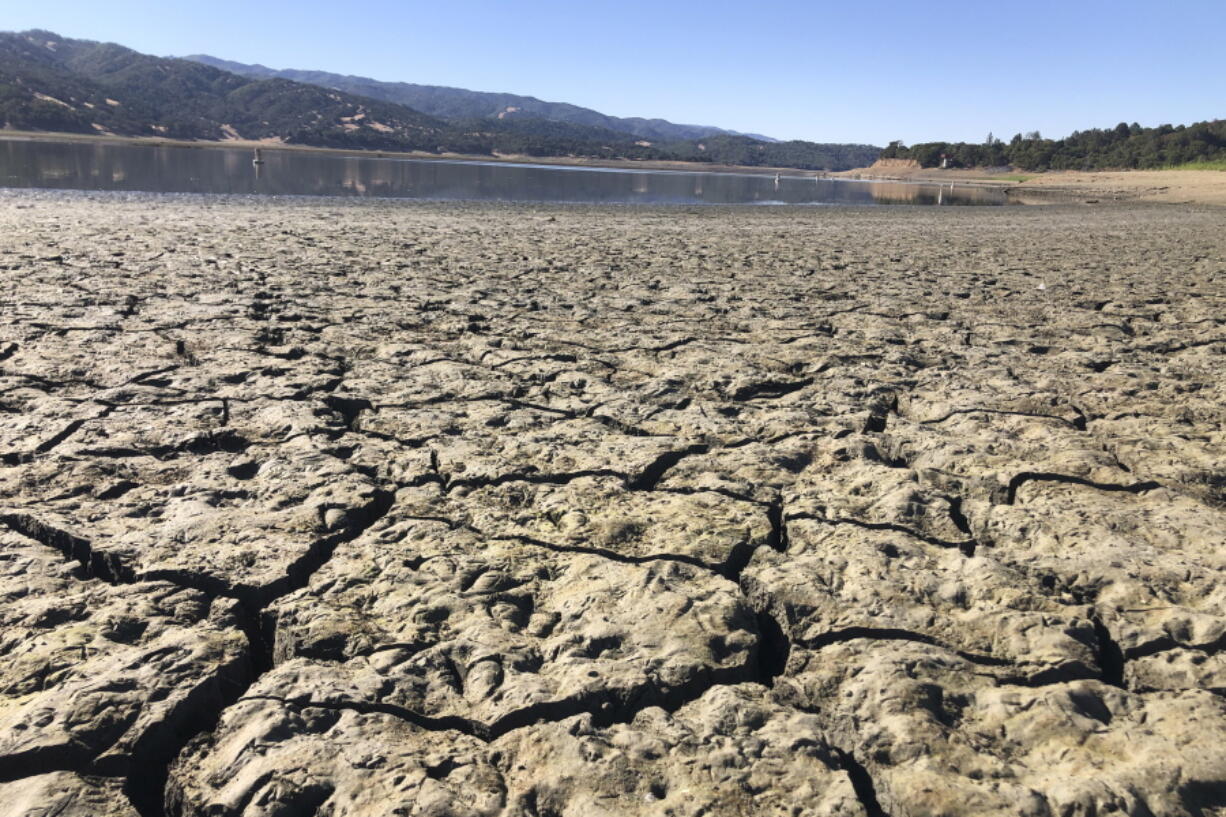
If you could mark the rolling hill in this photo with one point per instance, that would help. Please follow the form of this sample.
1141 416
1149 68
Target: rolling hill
48 82
53 83
458 103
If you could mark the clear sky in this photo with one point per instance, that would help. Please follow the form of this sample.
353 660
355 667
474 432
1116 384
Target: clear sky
829 72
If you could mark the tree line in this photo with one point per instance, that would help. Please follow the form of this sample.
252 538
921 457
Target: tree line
1122 147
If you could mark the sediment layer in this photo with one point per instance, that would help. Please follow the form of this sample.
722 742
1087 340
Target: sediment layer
368 508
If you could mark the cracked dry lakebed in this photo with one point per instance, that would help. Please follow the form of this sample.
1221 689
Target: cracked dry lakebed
321 507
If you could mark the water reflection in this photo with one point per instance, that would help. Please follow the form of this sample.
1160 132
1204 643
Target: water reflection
935 194
100 166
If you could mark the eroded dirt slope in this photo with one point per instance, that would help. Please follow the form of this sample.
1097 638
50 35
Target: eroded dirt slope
371 508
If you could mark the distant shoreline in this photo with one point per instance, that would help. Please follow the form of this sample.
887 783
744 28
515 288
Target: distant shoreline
565 161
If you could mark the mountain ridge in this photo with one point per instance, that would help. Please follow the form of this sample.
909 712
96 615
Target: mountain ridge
449 102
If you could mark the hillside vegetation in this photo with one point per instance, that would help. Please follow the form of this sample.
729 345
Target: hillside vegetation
52 83
742 150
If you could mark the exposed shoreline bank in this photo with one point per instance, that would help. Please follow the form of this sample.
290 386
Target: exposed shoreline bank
1158 186
357 505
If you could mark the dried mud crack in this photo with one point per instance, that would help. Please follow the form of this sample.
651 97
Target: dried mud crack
358 508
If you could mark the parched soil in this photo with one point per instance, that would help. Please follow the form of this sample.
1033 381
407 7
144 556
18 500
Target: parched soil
370 508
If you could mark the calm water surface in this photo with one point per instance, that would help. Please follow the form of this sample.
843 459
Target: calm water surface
97 166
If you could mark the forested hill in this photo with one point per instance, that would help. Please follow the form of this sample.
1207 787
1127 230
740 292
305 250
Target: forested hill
1124 146
459 103
51 83
742 150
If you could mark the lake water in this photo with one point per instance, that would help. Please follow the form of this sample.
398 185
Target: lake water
101 166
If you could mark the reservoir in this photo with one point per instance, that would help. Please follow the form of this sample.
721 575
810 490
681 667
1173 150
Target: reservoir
71 165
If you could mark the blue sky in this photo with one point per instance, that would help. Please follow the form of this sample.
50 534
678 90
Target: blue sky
830 72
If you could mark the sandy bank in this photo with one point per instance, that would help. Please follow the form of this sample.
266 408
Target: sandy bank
1168 186
1165 186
